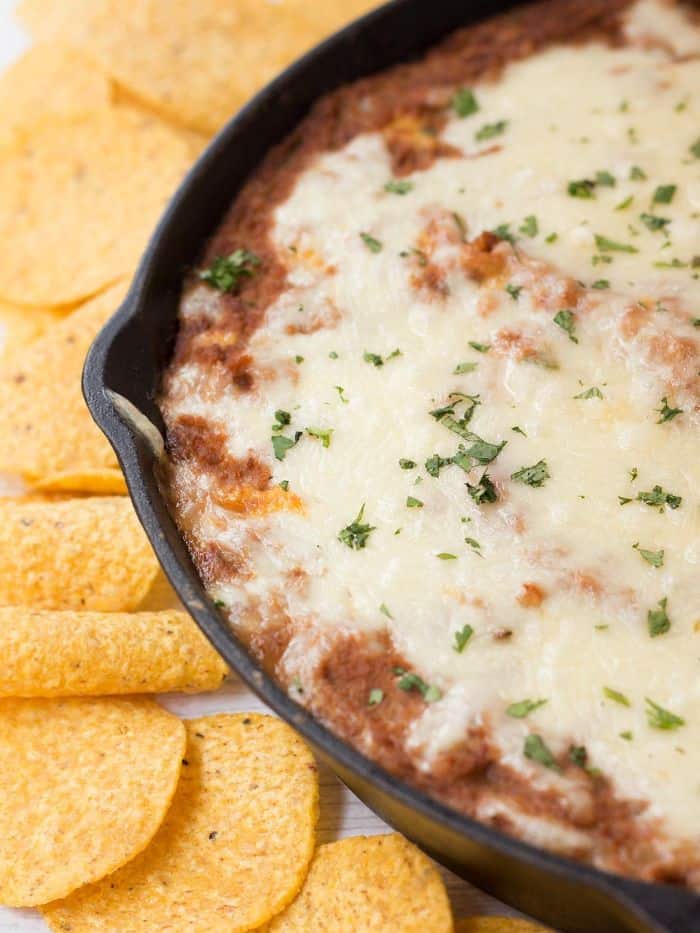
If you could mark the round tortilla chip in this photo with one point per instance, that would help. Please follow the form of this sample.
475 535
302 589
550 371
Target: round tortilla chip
497 925
85 786
80 554
54 654
80 199
196 61
369 883
46 430
104 482
234 848
50 80
20 326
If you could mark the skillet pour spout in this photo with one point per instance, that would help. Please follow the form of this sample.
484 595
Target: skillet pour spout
121 381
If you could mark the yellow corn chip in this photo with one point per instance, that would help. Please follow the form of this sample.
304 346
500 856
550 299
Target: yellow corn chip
80 199
51 79
80 554
195 61
85 785
103 482
46 429
20 326
234 848
54 654
369 883
497 925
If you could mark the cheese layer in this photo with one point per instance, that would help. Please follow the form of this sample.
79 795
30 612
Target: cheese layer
561 581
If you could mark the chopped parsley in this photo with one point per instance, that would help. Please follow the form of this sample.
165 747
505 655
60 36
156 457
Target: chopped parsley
226 272
502 231
523 708
376 695
593 392
666 412
627 735
398 186
464 103
606 245
658 498
462 637
483 491
605 179
340 390
356 534
518 430
444 555
655 558
283 418
322 434
376 360
653 222
298 359
407 464
480 347
567 321
660 718
409 681
529 227
601 283
333 355
489 130
616 696
637 174
551 238
623 205
281 444
413 503
664 194
462 368
537 750
434 464
583 188
695 148
284 485
372 244
514 290
535 475
474 545
384 609
658 621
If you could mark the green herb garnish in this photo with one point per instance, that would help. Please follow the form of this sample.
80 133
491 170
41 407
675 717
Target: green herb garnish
616 696
664 194
660 718
356 534
593 392
666 412
658 621
462 637
655 558
376 695
536 749
464 103
483 491
489 130
529 227
226 272
523 708
372 244
535 475
567 321
398 186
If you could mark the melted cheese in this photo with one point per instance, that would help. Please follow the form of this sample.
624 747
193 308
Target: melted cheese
570 112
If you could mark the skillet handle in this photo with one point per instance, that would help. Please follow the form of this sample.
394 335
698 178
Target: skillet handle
658 908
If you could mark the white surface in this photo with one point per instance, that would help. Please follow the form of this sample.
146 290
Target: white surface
342 814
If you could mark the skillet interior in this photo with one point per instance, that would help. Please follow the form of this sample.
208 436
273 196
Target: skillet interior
128 359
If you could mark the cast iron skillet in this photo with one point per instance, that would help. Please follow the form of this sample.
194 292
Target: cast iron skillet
127 361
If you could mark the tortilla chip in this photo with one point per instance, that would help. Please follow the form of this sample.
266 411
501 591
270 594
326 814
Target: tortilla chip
497 925
196 61
51 79
58 654
46 429
20 326
234 848
85 786
369 883
104 482
80 199
80 554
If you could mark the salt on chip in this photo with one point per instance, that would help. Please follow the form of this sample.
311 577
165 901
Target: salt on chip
50 79
497 925
46 430
85 785
20 326
196 61
80 199
234 848
53 654
369 883
81 554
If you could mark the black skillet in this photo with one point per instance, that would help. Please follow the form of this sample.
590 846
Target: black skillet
127 360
